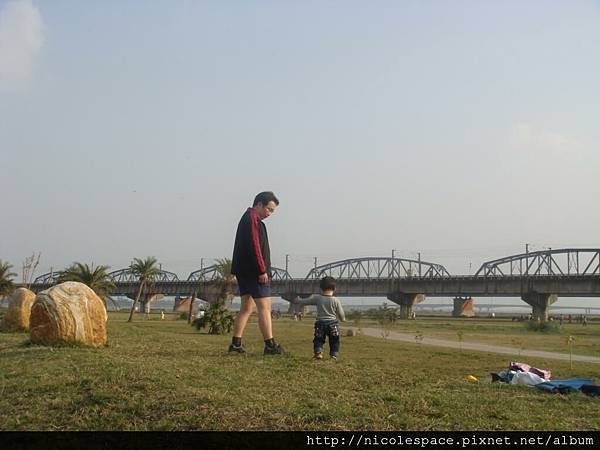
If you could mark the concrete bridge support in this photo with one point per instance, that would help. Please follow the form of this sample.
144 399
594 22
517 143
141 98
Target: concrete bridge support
212 292
406 302
463 307
146 300
295 308
539 304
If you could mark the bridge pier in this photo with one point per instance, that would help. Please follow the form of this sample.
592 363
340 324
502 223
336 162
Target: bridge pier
146 300
295 308
463 307
290 297
212 292
540 304
406 302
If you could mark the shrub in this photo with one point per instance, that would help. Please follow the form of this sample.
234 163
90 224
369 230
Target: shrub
542 326
217 318
385 315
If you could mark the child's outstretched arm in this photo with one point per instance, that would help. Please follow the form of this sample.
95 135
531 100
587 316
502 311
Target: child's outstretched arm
306 301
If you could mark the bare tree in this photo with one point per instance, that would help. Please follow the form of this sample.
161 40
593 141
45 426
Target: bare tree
29 266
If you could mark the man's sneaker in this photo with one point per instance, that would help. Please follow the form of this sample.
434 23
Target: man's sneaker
334 357
318 355
276 349
236 349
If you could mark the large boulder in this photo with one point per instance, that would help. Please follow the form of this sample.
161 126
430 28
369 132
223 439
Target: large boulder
19 310
68 313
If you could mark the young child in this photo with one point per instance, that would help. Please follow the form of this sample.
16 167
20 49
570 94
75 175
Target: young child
329 310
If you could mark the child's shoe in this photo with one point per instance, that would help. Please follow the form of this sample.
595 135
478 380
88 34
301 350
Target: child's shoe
334 356
318 355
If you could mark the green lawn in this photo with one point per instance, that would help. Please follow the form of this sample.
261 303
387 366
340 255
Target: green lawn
164 375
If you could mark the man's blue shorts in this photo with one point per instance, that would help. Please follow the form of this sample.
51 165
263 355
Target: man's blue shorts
249 285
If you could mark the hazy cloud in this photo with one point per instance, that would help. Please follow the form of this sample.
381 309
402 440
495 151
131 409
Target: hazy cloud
21 38
542 142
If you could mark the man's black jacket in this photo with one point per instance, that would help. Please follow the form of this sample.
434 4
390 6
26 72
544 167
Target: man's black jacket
251 254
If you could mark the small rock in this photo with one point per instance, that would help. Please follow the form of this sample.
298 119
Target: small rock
19 311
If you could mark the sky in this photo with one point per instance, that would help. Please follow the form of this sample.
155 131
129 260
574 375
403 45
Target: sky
460 130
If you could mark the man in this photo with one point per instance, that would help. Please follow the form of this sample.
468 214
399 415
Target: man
251 265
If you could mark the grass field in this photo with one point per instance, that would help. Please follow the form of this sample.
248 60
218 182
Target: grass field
165 375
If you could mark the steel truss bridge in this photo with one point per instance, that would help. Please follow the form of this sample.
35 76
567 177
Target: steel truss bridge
535 277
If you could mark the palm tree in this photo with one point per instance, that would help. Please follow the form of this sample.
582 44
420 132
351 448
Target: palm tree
147 271
225 283
226 280
217 317
96 278
6 284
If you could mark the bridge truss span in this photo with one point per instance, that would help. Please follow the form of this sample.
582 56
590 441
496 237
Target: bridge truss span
559 262
378 268
117 276
127 276
212 273
49 278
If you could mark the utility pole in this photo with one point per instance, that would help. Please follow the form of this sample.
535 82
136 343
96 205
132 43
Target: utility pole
201 263
526 261
315 262
287 261
419 255
393 250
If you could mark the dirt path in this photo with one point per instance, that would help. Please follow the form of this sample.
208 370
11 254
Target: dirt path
374 332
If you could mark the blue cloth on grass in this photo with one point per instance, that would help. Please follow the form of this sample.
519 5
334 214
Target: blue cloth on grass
564 386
